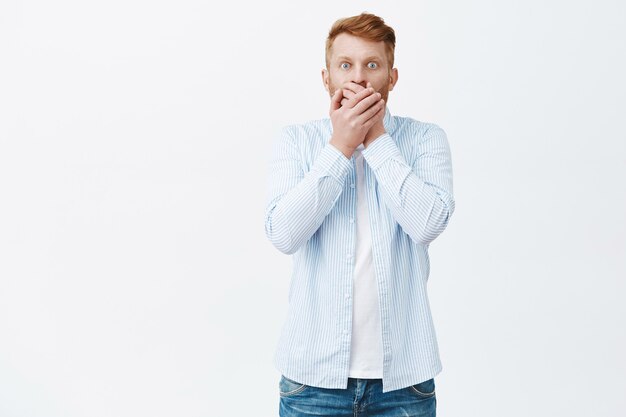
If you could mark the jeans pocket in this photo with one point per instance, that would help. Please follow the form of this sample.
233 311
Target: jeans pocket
288 387
424 389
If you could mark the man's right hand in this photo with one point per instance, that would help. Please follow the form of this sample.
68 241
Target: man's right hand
352 120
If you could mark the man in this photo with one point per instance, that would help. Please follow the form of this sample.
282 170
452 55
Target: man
357 198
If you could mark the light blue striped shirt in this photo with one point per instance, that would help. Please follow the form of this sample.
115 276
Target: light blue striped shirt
310 213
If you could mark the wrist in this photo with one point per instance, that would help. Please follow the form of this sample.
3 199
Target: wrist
373 134
345 149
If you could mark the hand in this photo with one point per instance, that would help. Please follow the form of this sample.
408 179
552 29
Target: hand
376 130
349 90
352 121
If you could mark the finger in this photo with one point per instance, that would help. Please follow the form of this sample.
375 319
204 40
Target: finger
348 93
335 102
366 103
360 96
376 118
354 87
370 115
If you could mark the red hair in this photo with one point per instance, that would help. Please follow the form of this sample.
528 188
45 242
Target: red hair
366 26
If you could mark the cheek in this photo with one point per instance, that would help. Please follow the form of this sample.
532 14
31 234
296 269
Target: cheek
381 81
337 78
380 86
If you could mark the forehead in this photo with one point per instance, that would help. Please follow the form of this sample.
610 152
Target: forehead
357 48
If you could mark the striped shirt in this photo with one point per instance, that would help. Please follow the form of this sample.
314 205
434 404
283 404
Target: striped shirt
310 213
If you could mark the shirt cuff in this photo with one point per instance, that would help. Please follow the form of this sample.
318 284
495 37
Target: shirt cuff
331 162
380 150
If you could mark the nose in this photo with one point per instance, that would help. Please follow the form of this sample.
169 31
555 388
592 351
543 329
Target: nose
358 77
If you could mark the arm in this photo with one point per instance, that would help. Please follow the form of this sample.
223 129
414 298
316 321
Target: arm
419 196
298 201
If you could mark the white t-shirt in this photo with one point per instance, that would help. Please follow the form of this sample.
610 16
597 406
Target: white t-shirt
366 353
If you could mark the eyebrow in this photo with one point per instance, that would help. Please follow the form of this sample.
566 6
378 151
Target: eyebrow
369 58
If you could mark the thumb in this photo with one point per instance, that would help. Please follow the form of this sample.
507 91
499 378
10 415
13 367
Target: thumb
335 102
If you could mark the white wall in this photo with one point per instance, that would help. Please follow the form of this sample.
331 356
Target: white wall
135 276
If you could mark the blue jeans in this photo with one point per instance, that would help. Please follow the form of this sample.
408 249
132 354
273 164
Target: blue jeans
362 397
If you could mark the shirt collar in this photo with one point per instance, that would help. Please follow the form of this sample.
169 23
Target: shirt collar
388 121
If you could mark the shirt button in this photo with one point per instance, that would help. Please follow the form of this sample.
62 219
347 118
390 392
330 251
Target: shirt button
351 185
348 255
351 220
347 296
345 332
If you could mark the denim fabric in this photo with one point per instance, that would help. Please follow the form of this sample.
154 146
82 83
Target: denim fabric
362 397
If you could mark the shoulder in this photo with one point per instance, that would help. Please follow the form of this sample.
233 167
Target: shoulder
307 131
416 129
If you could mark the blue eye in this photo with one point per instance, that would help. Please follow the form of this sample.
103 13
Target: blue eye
345 65
372 65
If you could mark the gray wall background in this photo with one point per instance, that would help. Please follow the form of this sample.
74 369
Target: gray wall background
135 276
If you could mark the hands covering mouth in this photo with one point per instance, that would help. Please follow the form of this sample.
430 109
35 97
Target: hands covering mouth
356 114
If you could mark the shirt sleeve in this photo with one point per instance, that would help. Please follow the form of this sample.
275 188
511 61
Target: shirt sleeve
419 195
298 201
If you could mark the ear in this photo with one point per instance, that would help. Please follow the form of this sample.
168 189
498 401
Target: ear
325 79
393 78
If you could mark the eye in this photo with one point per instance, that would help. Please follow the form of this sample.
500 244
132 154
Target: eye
372 65
345 65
